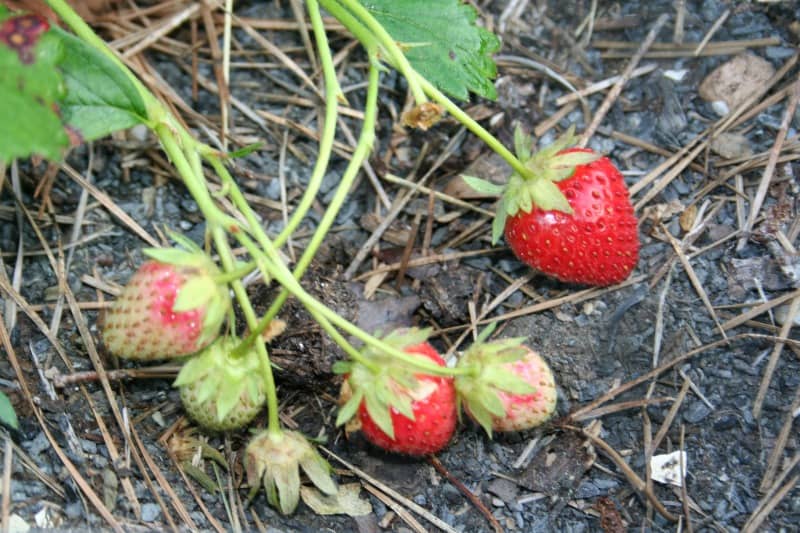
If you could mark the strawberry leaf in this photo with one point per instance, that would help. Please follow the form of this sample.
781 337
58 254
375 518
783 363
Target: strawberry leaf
379 412
548 196
30 86
8 416
194 293
442 43
100 98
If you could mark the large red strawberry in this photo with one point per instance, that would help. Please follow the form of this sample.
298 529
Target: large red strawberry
399 408
219 391
511 388
571 217
172 306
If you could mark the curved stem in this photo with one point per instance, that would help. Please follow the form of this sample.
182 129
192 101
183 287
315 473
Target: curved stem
270 261
473 126
333 93
363 148
195 184
393 51
229 263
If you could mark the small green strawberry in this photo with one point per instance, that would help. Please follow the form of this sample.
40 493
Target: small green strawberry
173 306
220 392
510 389
274 459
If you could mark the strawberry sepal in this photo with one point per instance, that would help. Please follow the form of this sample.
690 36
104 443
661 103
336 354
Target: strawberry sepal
274 460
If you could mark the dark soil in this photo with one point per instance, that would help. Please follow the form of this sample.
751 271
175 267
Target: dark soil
553 478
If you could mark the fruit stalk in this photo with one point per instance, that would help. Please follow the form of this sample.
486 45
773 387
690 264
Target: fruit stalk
228 263
361 152
378 36
333 93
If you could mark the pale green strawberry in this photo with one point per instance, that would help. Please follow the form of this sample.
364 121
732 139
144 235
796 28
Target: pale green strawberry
221 392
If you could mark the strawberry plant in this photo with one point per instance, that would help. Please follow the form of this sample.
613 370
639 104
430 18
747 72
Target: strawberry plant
59 89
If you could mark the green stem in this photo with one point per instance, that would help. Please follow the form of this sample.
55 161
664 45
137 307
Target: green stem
395 54
473 126
333 93
362 150
238 272
195 183
229 264
270 262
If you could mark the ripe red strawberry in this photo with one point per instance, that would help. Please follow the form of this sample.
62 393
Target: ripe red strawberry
171 307
400 409
512 390
572 219
221 392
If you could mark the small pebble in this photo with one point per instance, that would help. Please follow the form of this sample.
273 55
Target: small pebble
150 511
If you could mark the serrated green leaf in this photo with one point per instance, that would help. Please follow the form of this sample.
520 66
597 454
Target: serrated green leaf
442 43
100 98
30 87
483 186
7 414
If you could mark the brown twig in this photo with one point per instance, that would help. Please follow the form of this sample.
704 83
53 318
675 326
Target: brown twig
633 478
615 91
474 500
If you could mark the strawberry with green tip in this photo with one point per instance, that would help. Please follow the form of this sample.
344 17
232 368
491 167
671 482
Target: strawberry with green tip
511 388
172 306
399 408
571 217
221 392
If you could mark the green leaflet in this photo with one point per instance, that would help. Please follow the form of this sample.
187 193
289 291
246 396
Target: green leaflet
442 43
7 414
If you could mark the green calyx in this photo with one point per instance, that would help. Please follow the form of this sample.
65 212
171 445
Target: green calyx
479 389
222 379
274 459
537 187
202 290
383 383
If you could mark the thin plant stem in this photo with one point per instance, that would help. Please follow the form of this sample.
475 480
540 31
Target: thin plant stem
363 147
332 95
229 264
393 51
